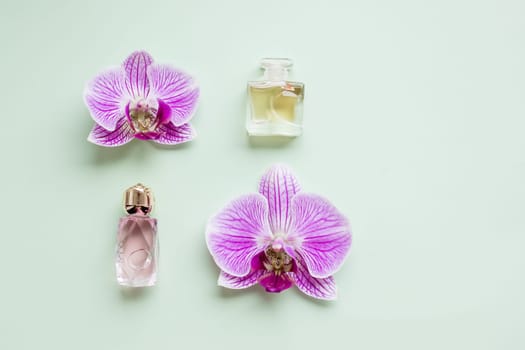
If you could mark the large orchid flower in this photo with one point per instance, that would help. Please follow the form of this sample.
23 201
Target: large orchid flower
279 237
143 100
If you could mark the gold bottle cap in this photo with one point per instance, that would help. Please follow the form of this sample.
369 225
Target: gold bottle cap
138 198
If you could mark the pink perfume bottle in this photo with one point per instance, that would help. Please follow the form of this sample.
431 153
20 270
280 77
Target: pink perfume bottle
137 243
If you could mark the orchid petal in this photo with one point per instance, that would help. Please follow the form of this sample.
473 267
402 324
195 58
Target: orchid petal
275 283
147 136
320 233
163 112
238 233
120 136
319 288
106 98
136 67
177 89
234 282
173 135
279 185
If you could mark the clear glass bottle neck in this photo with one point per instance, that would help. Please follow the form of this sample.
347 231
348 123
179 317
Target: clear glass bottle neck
276 73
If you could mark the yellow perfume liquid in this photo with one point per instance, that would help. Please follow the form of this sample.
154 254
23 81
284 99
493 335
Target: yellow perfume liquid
276 102
275 105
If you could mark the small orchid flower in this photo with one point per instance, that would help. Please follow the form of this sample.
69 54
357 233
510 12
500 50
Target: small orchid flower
279 237
143 100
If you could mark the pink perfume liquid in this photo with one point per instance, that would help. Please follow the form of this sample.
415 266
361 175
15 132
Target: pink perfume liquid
137 250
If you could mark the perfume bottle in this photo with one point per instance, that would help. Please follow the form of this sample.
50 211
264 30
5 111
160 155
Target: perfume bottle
275 105
137 243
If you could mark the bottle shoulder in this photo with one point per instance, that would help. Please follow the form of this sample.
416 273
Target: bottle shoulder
138 218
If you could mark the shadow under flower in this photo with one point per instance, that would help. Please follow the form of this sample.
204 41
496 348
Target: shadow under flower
180 146
139 149
317 302
105 155
226 293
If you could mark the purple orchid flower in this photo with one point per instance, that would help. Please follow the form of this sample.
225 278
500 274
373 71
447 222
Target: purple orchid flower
279 237
143 100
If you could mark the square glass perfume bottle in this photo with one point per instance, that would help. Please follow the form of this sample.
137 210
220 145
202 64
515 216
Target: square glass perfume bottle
275 105
137 242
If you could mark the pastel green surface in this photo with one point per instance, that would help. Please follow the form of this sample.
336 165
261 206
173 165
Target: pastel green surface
414 122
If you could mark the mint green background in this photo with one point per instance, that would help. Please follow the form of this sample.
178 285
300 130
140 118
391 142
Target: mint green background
414 124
